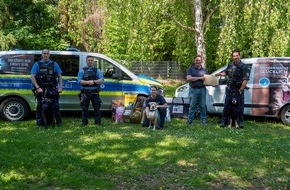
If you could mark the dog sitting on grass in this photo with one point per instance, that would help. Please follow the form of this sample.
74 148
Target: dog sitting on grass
152 115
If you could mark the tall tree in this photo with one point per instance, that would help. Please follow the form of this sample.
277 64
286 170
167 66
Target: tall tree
199 33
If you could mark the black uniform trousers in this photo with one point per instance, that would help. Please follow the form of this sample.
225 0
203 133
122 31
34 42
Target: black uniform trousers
94 97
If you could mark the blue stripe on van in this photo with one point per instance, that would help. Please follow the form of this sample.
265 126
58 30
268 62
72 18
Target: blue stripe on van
15 83
25 83
136 87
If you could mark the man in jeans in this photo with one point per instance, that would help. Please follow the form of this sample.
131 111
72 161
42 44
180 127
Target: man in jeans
197 93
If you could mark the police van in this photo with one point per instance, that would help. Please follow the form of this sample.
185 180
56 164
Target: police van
17 99
267 93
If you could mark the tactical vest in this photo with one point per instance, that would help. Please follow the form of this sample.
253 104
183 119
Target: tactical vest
236 73
90 74
46 77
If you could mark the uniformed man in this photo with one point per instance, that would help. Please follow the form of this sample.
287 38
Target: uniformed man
238 75
46 77
90 79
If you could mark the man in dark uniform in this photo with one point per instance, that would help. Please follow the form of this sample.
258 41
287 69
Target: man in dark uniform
90 79
238 75
44 75
197 93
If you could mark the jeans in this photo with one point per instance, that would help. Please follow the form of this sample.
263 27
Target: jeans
198 96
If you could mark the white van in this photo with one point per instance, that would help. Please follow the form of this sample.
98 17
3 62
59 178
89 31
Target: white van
268 92
17 99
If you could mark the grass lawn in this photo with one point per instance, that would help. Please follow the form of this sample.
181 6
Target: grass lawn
128 156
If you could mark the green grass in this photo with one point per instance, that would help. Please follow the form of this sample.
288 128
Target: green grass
127 156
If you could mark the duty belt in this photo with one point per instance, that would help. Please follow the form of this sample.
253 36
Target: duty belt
234 84
90 91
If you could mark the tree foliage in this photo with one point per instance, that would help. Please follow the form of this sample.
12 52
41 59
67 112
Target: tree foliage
147 30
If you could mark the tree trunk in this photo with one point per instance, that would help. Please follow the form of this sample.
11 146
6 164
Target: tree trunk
199 35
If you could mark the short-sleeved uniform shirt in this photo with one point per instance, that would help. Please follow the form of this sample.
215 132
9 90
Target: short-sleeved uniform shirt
35 67
99 75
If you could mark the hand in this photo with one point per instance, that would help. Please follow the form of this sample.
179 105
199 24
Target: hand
59 90
218 74
39 90
91 82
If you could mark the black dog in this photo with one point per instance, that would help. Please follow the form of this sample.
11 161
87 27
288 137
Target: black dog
233 107
48 112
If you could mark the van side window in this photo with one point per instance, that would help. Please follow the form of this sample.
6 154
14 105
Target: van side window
69 64
108 69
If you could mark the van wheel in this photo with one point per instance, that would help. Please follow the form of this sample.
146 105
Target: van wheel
285 115
13 109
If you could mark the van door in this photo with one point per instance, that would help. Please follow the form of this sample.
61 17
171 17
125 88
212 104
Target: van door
271 86
69 65
112 88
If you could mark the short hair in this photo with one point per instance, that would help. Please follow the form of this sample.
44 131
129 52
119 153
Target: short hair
45 50
236 50
89 56
197 56
153 87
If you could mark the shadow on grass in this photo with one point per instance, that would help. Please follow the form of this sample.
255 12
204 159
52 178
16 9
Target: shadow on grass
128 156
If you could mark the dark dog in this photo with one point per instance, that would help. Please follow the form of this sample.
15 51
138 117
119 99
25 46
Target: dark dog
233 107
48 112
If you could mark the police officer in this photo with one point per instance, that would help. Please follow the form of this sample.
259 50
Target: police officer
44 76
90 79
238 75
